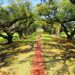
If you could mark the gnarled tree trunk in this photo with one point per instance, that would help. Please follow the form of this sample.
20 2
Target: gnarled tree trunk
9 39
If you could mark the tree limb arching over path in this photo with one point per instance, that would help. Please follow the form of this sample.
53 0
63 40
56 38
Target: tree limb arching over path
38 66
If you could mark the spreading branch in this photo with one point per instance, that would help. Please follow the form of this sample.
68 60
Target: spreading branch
18 19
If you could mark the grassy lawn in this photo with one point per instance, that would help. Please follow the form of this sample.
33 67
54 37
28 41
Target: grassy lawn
18 56
62 34
59 55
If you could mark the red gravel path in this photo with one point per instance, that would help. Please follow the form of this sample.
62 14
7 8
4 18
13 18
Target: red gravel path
38 67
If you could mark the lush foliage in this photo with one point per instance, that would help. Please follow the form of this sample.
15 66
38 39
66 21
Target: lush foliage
17 17
60 11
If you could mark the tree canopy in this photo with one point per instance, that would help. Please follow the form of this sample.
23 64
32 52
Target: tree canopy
21 17
15 17
59 11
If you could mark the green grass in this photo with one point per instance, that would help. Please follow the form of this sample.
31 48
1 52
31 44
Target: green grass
31 37
2 39
62 34
19 60
15 36
20 63
54 53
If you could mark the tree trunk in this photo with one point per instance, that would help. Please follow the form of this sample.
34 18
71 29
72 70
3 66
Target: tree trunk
69 37
20 34
10 39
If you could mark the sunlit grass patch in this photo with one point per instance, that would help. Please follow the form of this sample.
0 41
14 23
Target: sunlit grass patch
54 49
62 34
20 64
56 56
2 40
24 47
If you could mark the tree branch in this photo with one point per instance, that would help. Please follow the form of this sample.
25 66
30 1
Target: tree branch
18 19
71 19
65 29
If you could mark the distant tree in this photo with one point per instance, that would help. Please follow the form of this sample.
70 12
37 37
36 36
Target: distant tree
47 13
7 25
10 15
62 12
66 16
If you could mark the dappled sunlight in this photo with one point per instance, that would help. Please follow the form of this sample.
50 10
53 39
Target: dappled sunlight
9 52
20 64
37 37
24 47
59 57
56 58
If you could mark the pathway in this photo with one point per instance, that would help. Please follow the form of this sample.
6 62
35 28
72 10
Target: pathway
38 67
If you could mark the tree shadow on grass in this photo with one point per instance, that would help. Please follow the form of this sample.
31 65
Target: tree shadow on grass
53 59
59 46
26 59
60 59
11 50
